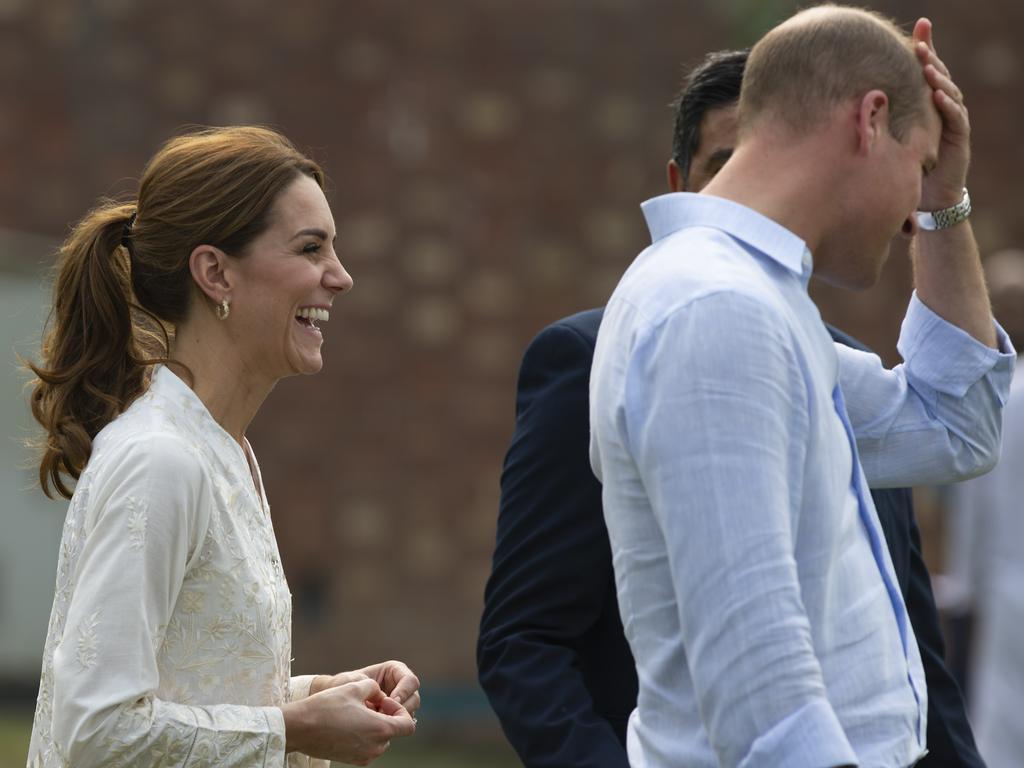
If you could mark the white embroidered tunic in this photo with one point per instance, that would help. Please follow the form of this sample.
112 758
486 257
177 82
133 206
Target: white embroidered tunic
169 641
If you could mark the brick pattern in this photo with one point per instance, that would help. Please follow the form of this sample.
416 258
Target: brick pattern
486 158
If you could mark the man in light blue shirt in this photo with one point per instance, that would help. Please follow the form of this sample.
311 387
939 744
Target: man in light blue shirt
755 588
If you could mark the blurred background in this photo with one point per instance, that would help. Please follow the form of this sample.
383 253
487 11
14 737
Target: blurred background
486 159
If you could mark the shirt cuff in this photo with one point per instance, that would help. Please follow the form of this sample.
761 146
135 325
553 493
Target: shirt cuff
276 738
809 738
292 759
298 687
948 358
299 760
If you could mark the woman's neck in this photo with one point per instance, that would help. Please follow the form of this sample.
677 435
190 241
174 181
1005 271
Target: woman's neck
231 391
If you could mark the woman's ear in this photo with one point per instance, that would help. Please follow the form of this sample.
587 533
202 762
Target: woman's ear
208 265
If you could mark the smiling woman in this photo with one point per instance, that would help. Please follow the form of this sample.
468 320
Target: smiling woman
173 317
273 290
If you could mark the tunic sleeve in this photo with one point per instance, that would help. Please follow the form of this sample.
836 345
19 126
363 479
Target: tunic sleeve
146 517
298 687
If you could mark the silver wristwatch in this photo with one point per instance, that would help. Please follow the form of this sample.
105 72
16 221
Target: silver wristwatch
947 217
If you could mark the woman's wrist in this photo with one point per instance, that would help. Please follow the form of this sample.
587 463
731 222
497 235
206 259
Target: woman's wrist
295 726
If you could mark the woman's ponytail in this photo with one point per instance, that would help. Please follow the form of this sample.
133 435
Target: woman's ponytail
91 369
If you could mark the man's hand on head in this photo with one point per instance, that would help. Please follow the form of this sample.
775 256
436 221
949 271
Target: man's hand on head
943 186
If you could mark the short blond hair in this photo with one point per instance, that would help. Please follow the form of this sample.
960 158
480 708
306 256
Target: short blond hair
826 55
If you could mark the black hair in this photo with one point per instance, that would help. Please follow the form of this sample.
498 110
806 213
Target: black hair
713 83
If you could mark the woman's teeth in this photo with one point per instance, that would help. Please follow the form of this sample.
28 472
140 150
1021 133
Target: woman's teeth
312 315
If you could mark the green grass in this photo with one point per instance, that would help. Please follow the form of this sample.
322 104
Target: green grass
421 751
14 734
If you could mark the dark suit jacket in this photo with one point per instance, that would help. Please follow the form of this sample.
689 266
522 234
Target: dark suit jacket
551 654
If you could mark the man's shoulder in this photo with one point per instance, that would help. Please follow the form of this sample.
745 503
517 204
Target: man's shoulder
580 327
697 265
585 323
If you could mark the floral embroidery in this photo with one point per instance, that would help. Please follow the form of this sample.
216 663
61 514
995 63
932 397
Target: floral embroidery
217 629
169 750
87 641
225 640
191 602
136 524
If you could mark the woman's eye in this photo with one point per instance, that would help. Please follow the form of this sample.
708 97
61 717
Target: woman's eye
311 248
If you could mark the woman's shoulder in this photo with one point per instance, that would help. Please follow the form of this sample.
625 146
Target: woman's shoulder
142 464
144 479
147 434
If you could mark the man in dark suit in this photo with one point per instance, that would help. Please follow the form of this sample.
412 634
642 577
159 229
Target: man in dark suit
551 653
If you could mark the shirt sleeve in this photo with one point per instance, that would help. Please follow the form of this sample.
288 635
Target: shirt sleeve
935 418
298 687
146 518
719 434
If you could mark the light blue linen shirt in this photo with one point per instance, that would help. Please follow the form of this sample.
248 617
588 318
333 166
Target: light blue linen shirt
755 588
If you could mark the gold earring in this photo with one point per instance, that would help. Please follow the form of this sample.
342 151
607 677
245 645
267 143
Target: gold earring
223 309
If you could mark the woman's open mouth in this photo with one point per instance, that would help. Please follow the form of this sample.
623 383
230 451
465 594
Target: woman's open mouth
308 317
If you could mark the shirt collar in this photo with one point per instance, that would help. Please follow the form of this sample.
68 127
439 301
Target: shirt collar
169 385
167 382
667 214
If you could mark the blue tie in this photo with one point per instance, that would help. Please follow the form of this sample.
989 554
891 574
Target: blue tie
874 537
857 482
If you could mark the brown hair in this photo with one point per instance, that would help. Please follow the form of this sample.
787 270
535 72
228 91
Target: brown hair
824 56
123 276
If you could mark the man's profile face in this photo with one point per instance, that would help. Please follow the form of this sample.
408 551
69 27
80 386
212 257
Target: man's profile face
895 193
878 197
718 130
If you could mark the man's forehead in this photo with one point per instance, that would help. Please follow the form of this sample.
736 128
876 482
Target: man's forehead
927 128
932 125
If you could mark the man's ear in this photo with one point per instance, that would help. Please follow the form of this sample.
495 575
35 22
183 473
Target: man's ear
872 120
676 182
208 265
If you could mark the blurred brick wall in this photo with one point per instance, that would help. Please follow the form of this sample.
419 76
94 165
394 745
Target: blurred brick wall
486 159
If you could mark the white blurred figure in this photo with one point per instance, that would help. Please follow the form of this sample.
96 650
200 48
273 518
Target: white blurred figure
986 552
